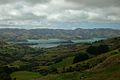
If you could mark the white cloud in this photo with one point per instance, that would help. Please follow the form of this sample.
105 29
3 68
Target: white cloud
82 15
60 10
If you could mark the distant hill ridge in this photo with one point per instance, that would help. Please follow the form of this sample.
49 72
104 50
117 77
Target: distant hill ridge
23 34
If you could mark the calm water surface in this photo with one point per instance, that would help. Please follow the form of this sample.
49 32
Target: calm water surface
46 43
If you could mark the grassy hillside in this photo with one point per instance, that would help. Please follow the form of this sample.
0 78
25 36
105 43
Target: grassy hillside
109 69
69 62
65 62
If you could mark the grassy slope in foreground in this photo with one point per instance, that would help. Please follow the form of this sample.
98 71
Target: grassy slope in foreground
109 69
25 75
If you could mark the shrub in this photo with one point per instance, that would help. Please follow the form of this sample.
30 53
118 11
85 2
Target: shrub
5 73
70 69
98 49
53 70
80 57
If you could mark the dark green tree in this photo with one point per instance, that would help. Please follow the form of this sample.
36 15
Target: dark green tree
80 57
98 49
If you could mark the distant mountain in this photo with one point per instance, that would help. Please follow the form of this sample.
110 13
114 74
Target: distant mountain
23 34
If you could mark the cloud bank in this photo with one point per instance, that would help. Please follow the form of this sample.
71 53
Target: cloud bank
15 11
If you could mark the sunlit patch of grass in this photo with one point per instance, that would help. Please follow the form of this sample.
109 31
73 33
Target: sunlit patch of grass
25 75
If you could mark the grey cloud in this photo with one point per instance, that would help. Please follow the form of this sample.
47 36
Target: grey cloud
75 10
96 3
28 1
8 1
37 1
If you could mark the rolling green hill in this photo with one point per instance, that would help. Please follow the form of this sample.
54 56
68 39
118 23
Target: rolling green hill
85 61
108 69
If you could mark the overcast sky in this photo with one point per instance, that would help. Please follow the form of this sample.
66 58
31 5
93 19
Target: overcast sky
44 13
